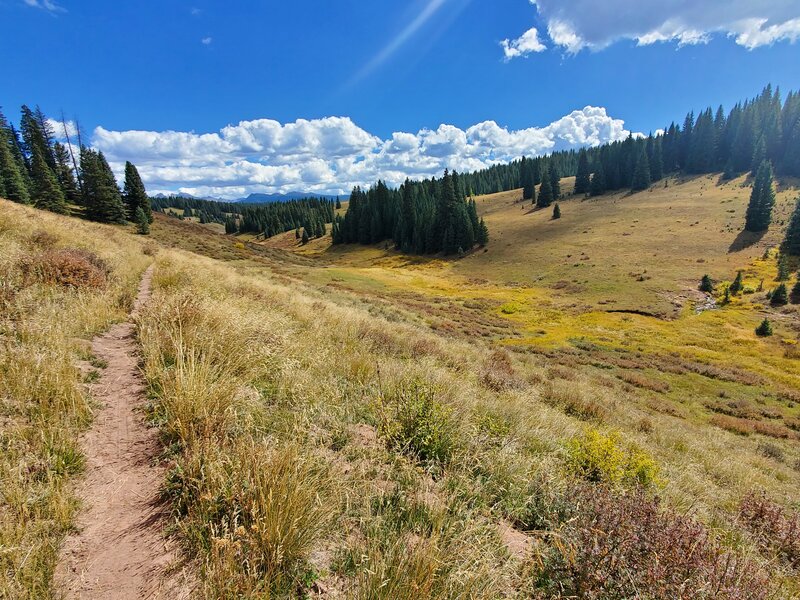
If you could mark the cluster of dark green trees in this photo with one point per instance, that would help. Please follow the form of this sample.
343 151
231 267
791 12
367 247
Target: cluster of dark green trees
37 169
421 217
764 128
268 219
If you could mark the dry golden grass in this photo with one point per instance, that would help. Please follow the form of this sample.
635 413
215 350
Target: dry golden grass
59 286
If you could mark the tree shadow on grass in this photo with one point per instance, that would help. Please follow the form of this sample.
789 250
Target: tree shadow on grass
745 239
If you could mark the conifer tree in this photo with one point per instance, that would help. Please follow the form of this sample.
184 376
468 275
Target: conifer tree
528 181
483 233
135 195
305 238
737 285
545 197
764 329
101 196
556 211
555 180
47 194
65 175
142 222
779 296
641 173
598 186
582 176
795 295
762 199
783 268
791 242
706 285
338 203
14 187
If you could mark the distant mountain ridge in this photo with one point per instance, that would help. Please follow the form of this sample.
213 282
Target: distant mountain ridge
258 198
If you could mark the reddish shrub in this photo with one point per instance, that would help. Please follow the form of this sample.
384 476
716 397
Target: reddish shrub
777 530
498 372
69 267
625 546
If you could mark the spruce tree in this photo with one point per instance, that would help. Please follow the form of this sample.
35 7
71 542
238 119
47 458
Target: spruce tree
582 176
47 193
598 186
555 180
762 199
556 211
135 195
791 242
641 173
142 222
528 182
101 196
706 285
545 197
783 268
737 285
65 175
795 295
780 296
764 329
14 187
305 238
483 233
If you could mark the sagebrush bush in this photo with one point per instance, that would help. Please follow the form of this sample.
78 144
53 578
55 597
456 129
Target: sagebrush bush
605 458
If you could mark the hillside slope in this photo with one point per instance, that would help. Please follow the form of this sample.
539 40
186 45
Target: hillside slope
349 422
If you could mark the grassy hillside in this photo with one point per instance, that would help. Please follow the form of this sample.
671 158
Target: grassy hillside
350 422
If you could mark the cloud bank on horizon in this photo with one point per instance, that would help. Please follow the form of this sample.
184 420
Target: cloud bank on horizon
575 25
332 155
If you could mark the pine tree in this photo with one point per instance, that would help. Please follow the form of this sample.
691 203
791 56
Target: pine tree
101 196
65 175
338 203
142 222
483 233
791 242
737 285
14 187
556 211
555 180
134 194
779 296
764 329
47 194
706 285
598 186
795 295
762 199
641 174
305 238
528 181
783 268
582 177
545 197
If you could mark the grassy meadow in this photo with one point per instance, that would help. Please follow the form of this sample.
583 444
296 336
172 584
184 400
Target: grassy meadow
351 423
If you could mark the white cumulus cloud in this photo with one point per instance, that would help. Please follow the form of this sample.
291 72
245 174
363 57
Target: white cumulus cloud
333 154
522 46
577 24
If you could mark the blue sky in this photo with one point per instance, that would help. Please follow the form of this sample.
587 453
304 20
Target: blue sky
386 66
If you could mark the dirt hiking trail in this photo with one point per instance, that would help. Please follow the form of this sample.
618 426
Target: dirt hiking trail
120 550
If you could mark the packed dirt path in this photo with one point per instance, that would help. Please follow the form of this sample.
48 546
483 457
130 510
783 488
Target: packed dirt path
120 550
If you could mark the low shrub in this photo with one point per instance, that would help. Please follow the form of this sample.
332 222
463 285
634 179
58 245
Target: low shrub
604 458
625 546
68 267
498 372
776 529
